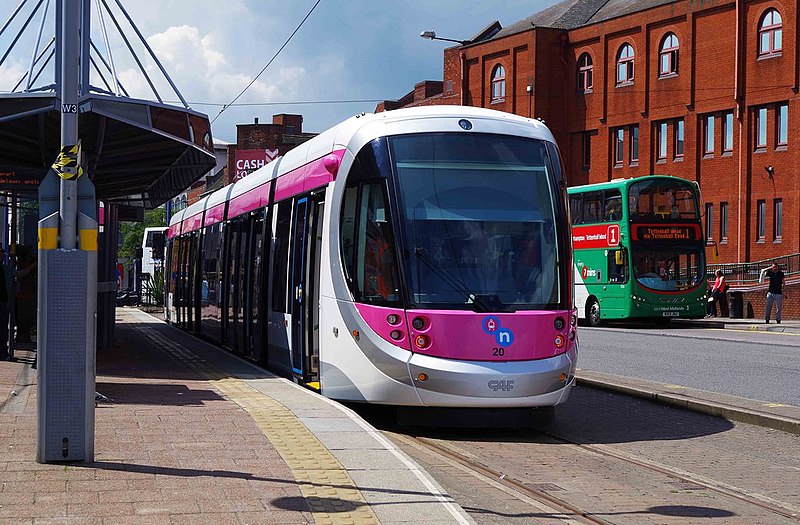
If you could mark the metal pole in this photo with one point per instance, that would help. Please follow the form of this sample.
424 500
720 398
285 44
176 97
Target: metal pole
70 69
67 274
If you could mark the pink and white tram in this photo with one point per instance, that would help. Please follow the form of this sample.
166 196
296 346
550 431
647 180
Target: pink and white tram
417 257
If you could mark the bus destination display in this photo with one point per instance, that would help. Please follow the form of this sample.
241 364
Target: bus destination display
661 232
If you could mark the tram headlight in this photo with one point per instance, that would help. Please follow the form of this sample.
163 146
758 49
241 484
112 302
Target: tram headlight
559 341
418 323
396 335
559 323
572 335
422 341
393 319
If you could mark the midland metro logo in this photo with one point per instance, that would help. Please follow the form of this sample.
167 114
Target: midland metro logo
503 336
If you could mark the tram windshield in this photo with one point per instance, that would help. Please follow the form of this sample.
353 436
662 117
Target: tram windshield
478 216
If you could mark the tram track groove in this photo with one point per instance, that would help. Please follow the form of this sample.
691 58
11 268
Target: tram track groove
560 508
781 508
492 476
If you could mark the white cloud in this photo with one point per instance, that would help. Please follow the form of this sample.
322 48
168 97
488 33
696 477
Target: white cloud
10 73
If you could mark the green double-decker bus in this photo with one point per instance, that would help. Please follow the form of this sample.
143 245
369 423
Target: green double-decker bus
639 249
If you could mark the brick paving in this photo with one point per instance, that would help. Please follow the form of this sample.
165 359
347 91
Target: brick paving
192 435
168 449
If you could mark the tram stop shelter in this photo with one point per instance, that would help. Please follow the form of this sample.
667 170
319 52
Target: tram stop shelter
138 154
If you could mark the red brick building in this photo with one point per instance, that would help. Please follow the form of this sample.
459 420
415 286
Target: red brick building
256 144
707 91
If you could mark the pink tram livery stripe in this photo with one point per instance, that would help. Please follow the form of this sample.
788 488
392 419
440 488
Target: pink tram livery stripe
470 336
193 223
249 201
214 215
313 175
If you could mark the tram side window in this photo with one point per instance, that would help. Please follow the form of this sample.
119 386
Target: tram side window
174 251
377 267
348 229
368 252
280 260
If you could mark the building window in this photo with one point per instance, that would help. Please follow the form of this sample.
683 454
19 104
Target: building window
778 220
723 222
679 139
498 84
770 34
708 143
634 145
585 73
668 58
709 221
587 150
619 146
761 128
783 124
761 218
625 65
661 153
727 133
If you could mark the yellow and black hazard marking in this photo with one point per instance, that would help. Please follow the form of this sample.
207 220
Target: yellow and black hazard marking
67 165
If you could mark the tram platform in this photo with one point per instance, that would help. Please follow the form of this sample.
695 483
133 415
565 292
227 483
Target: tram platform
188 433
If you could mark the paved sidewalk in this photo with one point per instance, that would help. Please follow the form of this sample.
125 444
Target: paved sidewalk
771 415
194 435
786 325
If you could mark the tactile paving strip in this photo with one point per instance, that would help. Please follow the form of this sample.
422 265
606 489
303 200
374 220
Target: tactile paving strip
332 496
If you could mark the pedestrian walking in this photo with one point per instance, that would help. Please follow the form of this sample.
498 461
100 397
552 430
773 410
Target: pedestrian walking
718 296
774 292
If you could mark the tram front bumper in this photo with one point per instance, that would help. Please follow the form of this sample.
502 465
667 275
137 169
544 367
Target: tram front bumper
448 382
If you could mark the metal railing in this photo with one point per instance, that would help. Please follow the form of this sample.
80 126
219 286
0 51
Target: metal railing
743 274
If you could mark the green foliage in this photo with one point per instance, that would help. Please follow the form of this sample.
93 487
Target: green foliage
157 283
132 233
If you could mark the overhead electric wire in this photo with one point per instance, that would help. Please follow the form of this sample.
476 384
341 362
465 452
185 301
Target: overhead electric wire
270 61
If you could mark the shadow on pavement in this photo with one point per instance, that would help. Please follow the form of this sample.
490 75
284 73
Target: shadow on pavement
588 417
148 394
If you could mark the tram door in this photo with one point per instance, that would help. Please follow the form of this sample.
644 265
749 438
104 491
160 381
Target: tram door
305 259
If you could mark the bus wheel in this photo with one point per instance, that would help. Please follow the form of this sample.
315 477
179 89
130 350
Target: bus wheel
593 313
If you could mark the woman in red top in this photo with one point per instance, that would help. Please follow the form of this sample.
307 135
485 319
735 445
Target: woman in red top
718 293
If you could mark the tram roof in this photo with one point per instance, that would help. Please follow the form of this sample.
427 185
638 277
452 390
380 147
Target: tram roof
339 137
138 152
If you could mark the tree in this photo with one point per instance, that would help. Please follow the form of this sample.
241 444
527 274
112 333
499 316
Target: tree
132 233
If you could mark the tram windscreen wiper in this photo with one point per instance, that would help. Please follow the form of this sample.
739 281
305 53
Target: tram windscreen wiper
481 303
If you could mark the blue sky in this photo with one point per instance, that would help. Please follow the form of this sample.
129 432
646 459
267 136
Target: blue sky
347 50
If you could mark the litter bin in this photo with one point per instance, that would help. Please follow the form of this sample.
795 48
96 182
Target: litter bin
737 305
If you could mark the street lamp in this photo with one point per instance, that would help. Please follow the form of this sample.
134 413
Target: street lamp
431 35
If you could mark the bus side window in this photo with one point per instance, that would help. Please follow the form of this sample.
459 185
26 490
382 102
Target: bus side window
613 206
575 208
617 266
592 207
